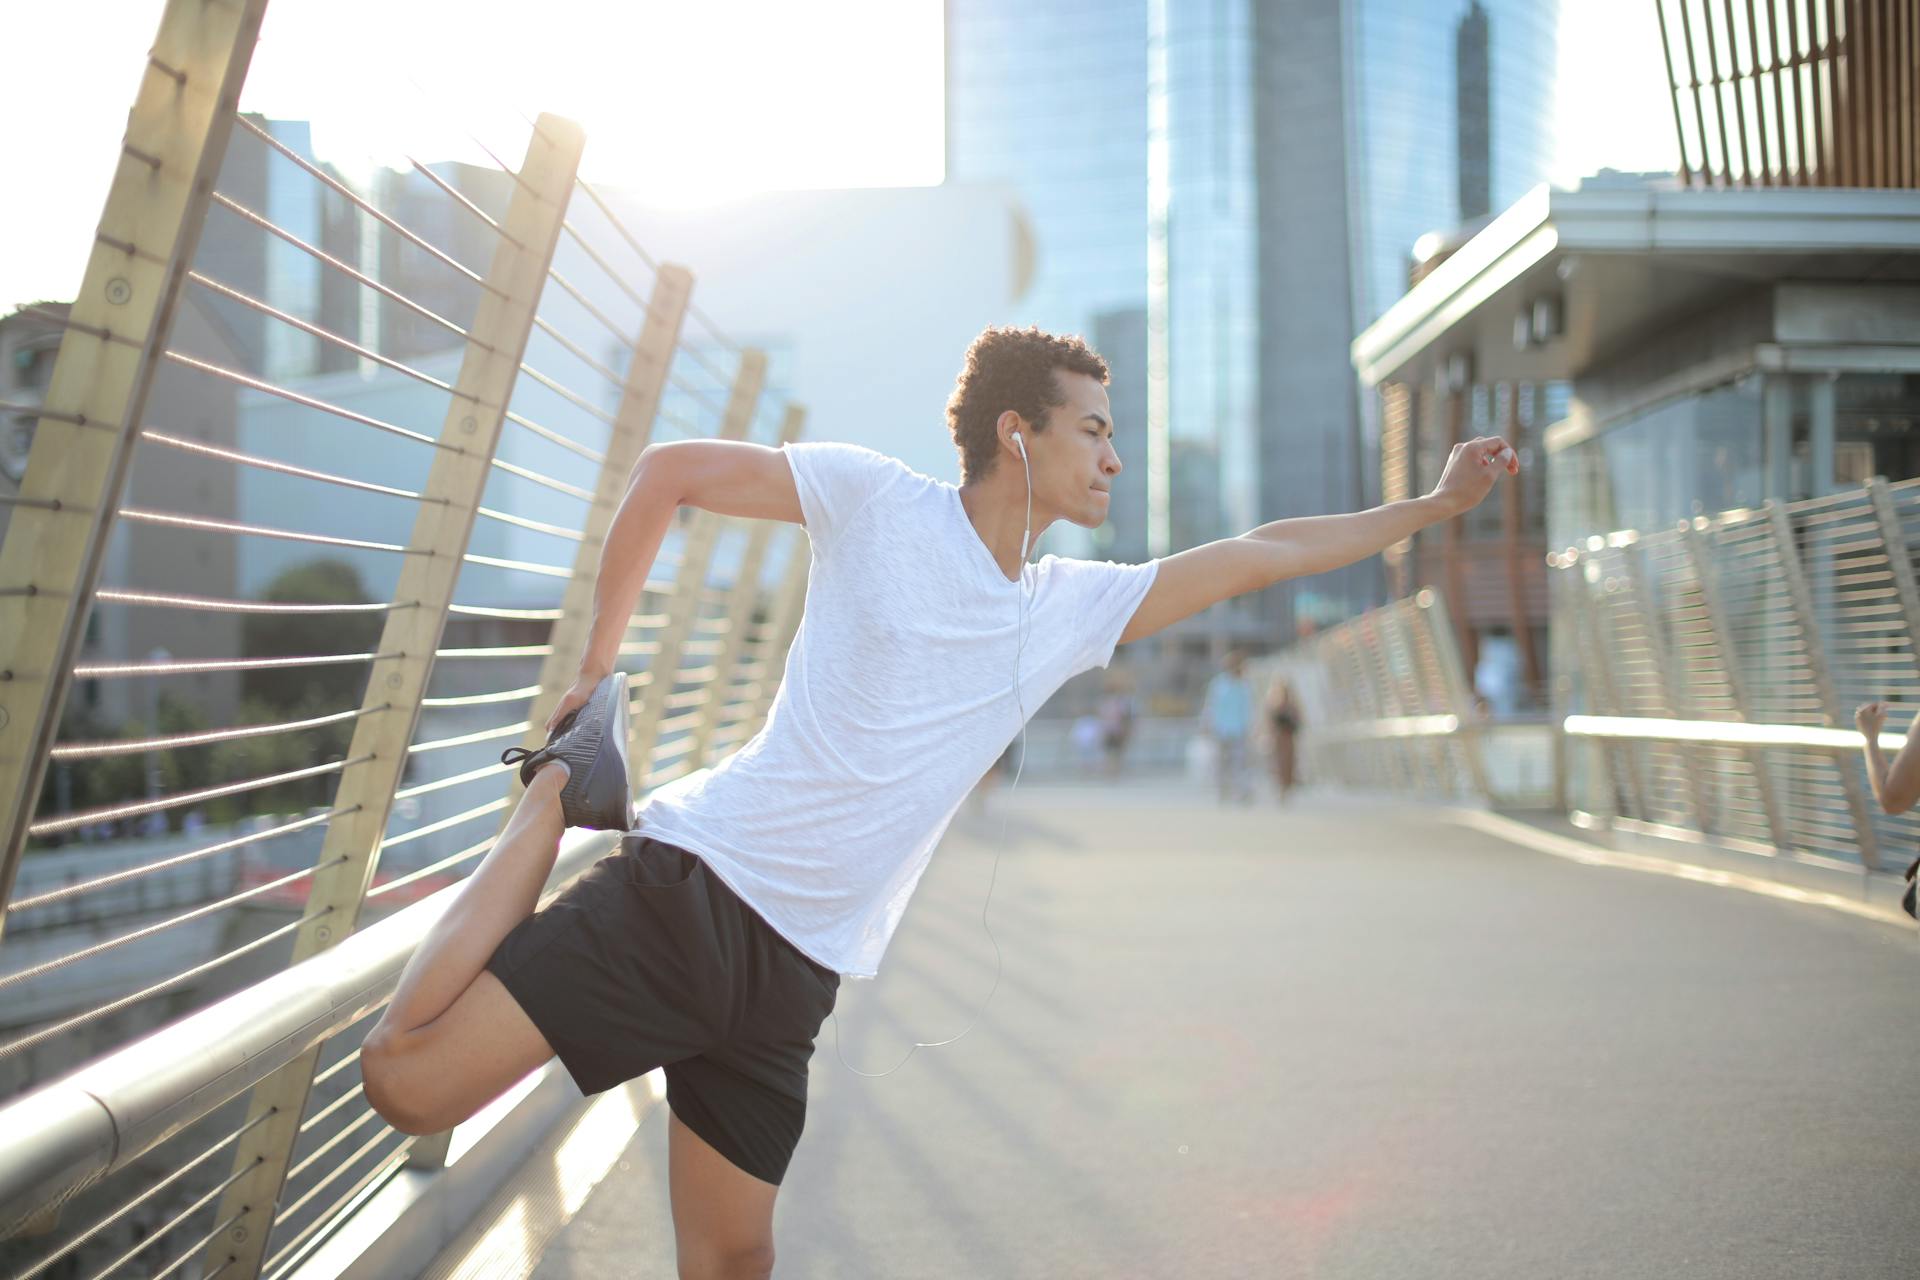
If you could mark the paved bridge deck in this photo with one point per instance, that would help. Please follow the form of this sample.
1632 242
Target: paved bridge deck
1339 1040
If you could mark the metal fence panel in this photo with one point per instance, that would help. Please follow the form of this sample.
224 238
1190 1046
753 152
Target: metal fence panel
1781 619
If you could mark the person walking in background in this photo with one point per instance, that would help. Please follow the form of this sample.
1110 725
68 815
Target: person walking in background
1496 676
1226 716
1283 719
1087 735
1116 725
1895 786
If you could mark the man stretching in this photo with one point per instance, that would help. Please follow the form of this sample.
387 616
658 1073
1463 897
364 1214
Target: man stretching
713 942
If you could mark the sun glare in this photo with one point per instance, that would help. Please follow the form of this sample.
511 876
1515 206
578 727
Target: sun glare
684 102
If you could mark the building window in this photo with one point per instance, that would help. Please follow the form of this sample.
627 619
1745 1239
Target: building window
16 442
33 365
1697 454
1875 421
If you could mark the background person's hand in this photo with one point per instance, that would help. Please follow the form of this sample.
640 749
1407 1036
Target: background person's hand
1870 718
1472 468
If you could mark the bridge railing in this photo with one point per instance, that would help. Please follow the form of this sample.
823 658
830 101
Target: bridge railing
1387 703
1705 676
1712 670
307 534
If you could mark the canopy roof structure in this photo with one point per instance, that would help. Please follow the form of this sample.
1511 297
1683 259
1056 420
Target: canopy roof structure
1563 280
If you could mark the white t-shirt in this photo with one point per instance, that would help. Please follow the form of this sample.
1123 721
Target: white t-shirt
898 695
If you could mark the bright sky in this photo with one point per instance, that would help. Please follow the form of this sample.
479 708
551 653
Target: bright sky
695 100
1614 110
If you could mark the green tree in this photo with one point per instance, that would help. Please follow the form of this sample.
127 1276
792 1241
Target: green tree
297 635
300 693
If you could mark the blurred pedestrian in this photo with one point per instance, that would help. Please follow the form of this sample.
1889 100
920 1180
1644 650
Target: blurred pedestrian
1116 725
1226 716
1496 676
1283 720
1086 743
1895 786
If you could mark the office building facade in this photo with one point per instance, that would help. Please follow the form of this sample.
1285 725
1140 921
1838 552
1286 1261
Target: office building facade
1253 175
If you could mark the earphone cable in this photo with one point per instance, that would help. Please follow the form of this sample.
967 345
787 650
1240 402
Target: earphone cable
1019 702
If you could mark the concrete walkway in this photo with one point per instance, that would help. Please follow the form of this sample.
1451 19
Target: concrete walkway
1338 1040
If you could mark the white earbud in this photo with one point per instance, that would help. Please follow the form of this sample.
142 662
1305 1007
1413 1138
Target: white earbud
1026 534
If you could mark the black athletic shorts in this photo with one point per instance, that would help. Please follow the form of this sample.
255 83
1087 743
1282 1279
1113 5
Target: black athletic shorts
649 960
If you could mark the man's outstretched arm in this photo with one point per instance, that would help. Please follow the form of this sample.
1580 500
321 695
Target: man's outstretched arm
1205 575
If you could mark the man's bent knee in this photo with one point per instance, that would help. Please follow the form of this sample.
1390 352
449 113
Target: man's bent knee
383 1078
377 1081
754 1263
431 1078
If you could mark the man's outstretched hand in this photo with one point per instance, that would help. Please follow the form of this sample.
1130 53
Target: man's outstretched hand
1471 469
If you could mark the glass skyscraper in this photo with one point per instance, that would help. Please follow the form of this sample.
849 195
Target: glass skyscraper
1414 65
1311 142
1213 272
1050 101
1251 175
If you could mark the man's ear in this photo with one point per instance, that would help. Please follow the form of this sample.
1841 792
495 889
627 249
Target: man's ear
1006 426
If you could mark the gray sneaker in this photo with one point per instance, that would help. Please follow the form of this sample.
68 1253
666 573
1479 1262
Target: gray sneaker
592 742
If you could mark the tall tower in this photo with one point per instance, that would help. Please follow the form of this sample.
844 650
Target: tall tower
1473 112
1050 102
1311 143
1250 175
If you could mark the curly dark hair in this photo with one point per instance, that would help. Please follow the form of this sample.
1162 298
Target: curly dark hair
1010 368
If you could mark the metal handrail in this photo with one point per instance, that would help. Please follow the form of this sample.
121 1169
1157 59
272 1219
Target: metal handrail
1388 701
1726 733
1390 727
71 1132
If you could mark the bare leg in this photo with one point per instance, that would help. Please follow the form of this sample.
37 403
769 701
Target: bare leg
453 1037
722 1216
502 891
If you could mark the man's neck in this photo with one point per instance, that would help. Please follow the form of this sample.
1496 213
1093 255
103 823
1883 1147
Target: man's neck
997 508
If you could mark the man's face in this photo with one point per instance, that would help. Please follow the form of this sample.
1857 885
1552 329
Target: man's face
1074 462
